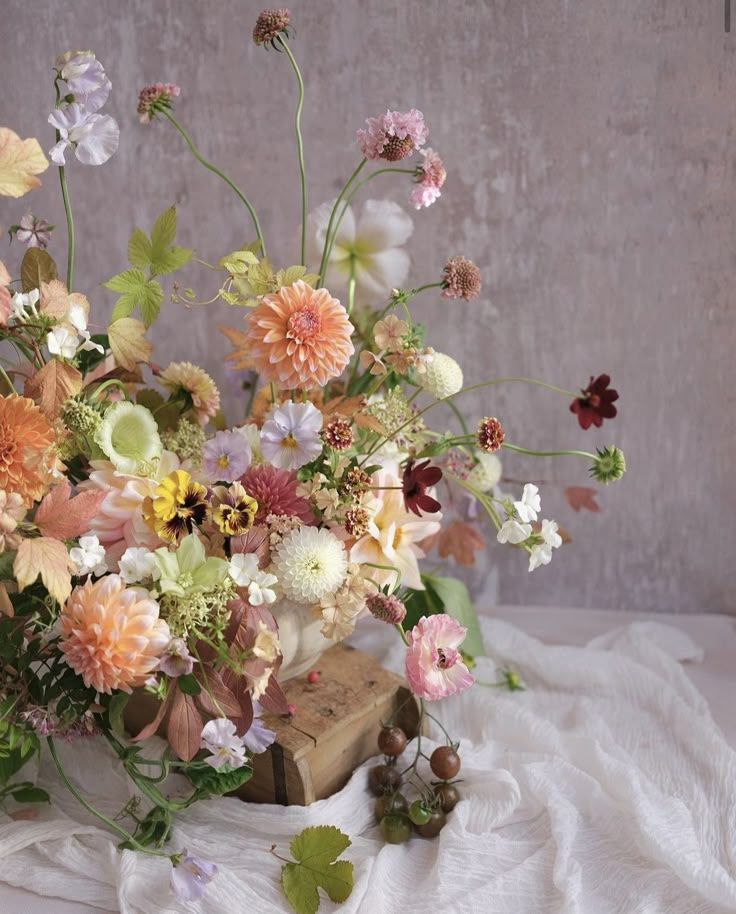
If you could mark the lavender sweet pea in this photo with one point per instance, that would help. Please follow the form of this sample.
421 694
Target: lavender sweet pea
85 78
93 137
190 875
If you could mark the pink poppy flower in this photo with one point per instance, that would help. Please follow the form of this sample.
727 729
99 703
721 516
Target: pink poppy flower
434 665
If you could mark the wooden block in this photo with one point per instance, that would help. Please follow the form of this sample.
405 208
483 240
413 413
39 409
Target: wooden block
333 731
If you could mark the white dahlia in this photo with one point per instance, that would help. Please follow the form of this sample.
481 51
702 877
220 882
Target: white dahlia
443 377
486 474
310 564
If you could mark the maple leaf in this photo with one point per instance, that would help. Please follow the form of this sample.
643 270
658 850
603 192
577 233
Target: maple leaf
460 540
315 851
56 301
47 557
582 497
52 385
62 517
128 342
20 160
240 356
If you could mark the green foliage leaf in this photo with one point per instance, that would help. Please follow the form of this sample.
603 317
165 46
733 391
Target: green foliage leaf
189 685
163 231
170 260
30 795
127 281
315 850
217 781
238 261
115 710
151 297
123 306
454 599
166 414
36 267
139 249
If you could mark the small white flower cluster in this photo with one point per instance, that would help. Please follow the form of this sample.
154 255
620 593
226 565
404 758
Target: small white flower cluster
517 528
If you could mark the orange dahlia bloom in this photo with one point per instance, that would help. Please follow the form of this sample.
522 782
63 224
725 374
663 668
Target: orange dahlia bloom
300 337
111 635
26 448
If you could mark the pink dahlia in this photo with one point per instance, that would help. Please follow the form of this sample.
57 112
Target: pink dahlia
300 337
430 176
434 665
111 635
393 135
275 491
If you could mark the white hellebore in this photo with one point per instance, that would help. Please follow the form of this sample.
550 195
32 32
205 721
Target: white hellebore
138 563
541 554
93 137
219 738
369 243
89 556
513 532
530 504
244 570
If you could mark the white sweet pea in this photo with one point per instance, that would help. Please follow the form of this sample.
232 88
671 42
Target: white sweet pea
137 564
219 738
541 553
244 570
89 556
529 505
93 137
513 532
23 300
85 78
62 341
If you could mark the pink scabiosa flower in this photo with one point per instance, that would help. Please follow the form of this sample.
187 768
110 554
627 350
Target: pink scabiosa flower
393 135
300 337
430 176
460 279
490 434
434 666
290 436
275 490
154 98
226 456
270 24
193 384
111 635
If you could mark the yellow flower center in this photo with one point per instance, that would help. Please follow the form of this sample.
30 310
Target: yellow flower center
223 461
289 441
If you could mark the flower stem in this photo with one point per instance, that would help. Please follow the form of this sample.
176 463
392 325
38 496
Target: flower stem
526 450
351 285
122 832
328 242
215 170
299 144
69 225
429 285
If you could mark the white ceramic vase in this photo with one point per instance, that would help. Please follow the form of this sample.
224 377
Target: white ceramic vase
302 642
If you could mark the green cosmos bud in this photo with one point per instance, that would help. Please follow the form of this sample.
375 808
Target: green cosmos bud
609 465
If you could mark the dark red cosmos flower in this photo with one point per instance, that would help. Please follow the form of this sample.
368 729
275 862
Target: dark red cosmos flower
596 402
417 479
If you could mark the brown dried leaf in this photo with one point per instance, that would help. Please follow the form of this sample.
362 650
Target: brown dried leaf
582 497
240 356
273 699
36 268
52 385
461 541
184 729
62 517
151 728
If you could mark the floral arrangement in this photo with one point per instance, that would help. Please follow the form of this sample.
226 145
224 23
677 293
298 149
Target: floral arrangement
149 546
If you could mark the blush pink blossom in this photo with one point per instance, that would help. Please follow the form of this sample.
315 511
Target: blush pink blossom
430 176
393 136
434 665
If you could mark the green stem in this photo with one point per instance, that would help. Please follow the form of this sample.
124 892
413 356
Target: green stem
351 285
69 225
4 375
215 170
299 144
328 243
526 450
429 285
95 812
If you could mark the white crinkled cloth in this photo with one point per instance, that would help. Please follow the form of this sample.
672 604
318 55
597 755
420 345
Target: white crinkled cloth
605 787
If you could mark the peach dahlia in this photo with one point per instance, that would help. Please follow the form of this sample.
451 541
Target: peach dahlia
26 448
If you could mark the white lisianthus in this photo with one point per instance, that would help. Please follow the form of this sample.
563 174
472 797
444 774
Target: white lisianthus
128 436
443 376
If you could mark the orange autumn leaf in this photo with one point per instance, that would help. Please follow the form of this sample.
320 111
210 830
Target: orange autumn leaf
128 342
20 160
582 497
461 541
62 517
52 385
240 356
56 301
48 558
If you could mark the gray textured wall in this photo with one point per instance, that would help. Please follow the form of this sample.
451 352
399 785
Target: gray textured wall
592 177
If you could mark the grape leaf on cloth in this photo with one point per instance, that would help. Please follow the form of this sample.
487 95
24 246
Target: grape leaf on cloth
316 850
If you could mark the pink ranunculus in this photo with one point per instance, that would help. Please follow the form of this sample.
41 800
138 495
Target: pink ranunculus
434 665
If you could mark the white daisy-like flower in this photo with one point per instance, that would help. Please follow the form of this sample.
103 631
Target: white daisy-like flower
89 556
290 436
486 474
442 377
372 241
309 564
530 504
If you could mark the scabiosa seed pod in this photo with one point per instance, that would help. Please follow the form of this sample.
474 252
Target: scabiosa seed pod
609 465
443 377
386 607
338 434
354 480
155 98
490 434
356 521
270 24
460 279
